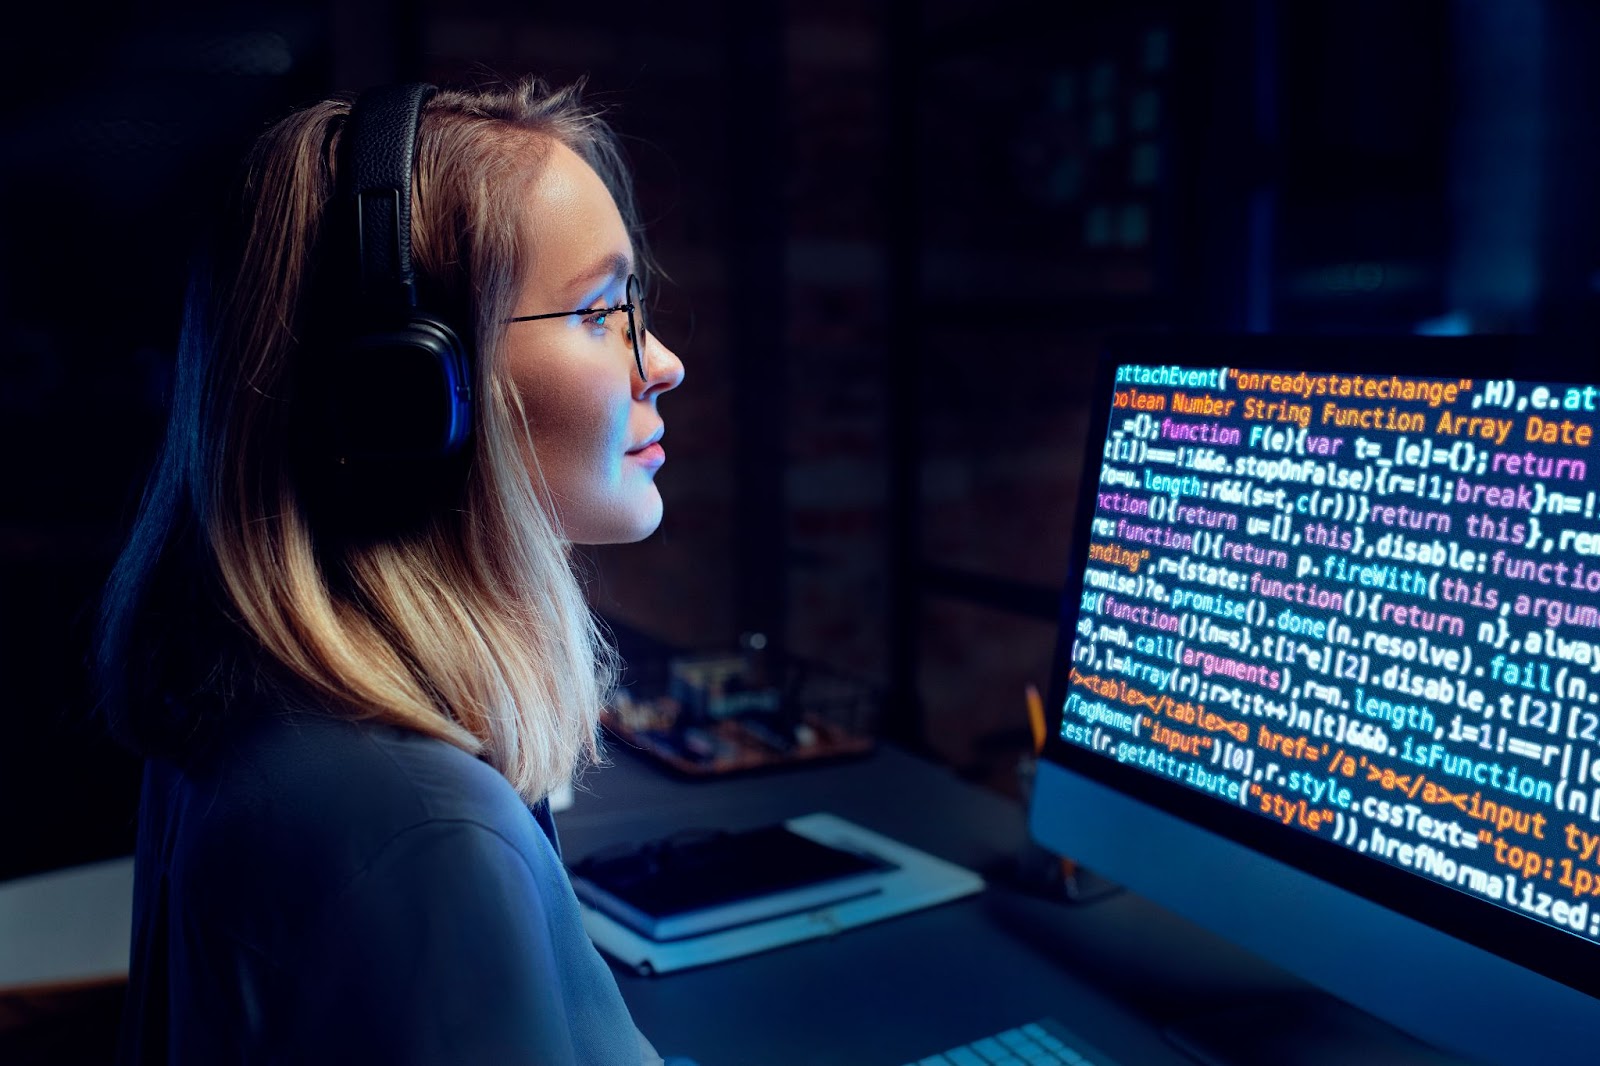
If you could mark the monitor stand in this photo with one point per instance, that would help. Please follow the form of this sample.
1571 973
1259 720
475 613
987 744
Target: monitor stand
1299 1027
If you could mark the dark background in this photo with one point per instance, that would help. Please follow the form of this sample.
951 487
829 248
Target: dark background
895 232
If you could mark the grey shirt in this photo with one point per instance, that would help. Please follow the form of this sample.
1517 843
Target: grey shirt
310 889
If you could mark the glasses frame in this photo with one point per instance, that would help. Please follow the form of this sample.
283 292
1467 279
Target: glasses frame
633 292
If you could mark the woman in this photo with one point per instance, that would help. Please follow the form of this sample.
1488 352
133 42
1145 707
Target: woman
346 633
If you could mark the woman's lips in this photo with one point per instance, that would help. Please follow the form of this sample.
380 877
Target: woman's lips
650 455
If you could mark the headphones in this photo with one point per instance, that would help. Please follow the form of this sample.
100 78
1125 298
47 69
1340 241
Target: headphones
397 390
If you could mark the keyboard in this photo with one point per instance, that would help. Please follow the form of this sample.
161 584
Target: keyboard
1045 1042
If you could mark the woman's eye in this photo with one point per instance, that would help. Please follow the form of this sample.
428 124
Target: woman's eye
599 319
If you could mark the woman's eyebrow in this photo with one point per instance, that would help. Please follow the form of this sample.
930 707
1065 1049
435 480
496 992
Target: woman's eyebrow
610 270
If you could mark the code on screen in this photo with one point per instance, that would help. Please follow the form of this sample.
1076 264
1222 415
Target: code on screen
1363 606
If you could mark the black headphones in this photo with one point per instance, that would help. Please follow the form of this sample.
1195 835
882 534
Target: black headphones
400 383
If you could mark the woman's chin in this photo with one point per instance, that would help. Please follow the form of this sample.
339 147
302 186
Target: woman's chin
618 528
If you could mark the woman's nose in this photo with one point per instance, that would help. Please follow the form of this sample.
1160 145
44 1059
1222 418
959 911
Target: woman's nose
663 369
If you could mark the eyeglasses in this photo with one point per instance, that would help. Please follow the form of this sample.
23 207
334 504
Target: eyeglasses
634 306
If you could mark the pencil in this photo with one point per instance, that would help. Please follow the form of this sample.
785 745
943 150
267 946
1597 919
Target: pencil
1036 717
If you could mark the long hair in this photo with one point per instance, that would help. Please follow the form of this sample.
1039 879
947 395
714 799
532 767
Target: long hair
472 626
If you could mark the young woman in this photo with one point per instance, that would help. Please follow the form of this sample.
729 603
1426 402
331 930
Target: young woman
346 634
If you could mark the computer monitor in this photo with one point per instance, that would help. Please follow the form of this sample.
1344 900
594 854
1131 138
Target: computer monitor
1328 678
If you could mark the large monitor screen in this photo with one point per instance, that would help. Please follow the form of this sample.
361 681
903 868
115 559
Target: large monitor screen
1339 601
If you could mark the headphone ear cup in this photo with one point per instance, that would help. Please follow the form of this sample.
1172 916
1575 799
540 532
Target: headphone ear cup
401 395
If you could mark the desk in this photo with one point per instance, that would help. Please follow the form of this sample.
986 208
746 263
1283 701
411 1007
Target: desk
1116 971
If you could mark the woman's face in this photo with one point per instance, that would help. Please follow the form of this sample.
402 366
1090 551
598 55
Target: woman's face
593 420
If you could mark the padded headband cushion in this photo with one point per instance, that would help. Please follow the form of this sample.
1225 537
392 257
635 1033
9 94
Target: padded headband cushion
381 141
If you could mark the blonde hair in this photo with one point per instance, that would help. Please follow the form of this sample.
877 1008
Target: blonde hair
471 627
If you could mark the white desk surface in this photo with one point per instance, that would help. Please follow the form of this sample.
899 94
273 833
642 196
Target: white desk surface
67 927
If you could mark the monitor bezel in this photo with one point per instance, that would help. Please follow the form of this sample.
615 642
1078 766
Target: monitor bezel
1558 954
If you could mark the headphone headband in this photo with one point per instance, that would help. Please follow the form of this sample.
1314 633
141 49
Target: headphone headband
382 141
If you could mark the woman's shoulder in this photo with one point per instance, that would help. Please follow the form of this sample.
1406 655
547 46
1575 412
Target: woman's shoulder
287 756
297 749
294 802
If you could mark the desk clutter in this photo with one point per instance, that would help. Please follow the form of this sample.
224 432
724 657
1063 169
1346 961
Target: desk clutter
894 879
708 715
